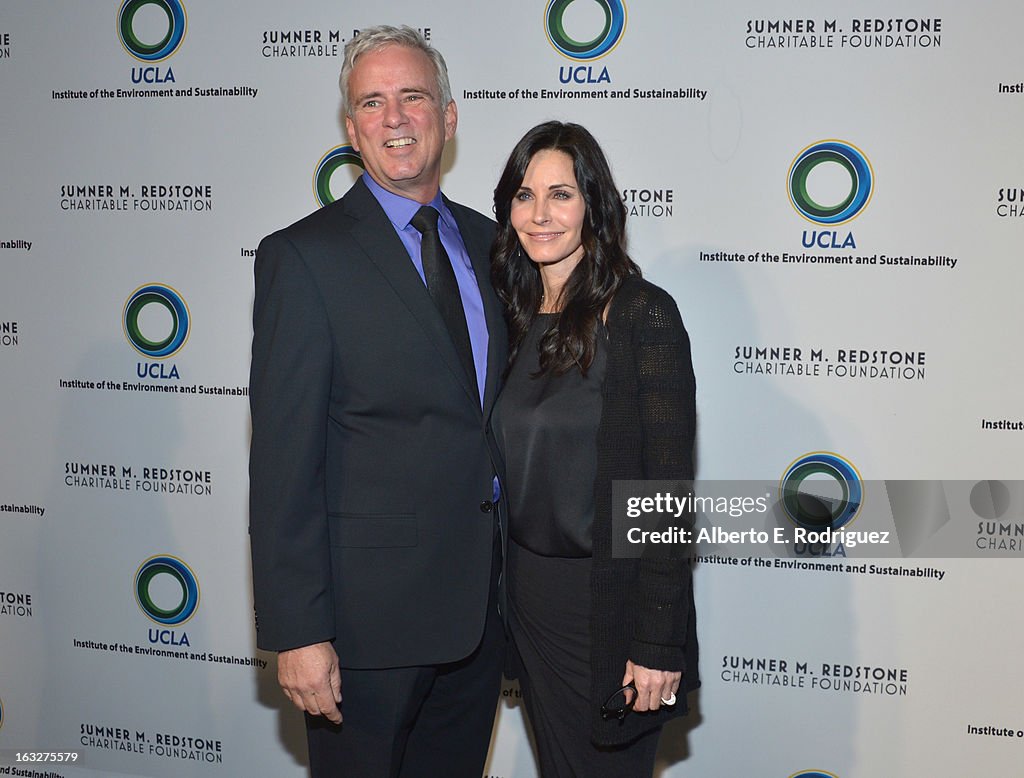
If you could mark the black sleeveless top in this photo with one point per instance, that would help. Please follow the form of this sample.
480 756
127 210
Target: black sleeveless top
547 427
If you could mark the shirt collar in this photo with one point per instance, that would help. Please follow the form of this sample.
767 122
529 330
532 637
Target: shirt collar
400 210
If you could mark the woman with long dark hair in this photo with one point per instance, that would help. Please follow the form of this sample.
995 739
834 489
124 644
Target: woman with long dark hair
599 388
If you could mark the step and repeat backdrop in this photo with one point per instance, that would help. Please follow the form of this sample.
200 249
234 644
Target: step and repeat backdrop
833 193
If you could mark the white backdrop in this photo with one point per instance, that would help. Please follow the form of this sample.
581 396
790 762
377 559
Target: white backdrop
125 607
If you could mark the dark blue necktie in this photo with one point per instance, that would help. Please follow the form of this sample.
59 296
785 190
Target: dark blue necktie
443 288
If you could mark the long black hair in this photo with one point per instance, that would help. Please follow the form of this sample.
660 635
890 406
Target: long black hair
593 281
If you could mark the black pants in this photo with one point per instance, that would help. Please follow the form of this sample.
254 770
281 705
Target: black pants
415 722
549 613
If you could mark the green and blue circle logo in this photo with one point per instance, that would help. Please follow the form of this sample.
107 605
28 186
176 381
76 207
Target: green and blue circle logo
821 490
813 774
851 185
585 50
166 590
329 164
169 33
156 321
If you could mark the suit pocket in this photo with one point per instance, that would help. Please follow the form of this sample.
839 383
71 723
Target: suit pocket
361 530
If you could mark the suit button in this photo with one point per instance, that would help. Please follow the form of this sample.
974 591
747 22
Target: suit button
486 506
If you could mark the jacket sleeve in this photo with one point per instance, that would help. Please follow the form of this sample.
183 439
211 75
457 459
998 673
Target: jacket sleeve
667 407
289 391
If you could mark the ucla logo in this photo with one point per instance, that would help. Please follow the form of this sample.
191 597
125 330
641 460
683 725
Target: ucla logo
850 201
826 202
329 163
148 303
166 44
821 491
584 51
175 596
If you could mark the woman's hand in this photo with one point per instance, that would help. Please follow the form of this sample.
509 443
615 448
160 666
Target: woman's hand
654 688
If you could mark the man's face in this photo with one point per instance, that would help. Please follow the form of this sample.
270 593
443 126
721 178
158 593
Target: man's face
398 124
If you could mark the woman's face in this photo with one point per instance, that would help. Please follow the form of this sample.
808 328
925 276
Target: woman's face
548 210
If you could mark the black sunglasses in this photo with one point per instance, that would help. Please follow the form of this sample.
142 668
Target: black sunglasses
619 703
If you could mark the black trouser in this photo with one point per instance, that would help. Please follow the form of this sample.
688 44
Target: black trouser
416 722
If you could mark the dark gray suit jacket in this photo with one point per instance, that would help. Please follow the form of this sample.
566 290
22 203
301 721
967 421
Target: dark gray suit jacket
371 464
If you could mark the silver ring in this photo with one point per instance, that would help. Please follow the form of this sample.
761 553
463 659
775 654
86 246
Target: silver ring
670 701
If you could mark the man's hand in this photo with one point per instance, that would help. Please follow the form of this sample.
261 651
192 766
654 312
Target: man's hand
311 679
654 688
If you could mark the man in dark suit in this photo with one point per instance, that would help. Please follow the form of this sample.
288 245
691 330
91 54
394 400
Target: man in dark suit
375 542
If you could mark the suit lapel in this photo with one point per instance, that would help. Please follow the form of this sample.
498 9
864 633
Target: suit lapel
375 234
478 245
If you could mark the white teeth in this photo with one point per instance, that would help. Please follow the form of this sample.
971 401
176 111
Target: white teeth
398 143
